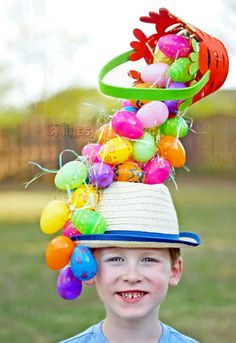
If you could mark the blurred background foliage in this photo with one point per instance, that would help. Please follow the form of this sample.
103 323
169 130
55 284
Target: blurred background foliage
70 105
41 130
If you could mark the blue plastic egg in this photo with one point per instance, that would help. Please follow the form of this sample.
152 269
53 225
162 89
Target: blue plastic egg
83 264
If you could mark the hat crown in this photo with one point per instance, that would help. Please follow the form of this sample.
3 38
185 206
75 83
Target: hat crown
138 207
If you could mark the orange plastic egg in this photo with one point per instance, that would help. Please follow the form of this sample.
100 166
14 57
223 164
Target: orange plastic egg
140 103
59 251
130 172
105 133
172 150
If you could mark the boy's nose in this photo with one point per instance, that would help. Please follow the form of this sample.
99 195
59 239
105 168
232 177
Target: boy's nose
131 274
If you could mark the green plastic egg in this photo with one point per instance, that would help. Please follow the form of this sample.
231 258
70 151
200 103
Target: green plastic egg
144 149
72 175
89 222
176 127
179 70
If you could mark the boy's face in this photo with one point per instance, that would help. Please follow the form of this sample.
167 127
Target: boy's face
132 283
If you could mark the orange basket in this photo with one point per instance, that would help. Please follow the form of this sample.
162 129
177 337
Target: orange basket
212 54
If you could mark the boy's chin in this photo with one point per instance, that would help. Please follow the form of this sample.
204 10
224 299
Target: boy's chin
134 314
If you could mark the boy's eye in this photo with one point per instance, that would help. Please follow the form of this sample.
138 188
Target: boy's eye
149 259
115 259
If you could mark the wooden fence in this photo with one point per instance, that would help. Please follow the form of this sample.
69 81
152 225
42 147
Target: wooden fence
211 150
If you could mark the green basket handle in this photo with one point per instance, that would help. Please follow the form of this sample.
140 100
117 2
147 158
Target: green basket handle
146 93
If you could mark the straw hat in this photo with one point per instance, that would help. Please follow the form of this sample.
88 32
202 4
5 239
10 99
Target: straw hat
138 215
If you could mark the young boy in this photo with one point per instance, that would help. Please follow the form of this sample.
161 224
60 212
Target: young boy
138 260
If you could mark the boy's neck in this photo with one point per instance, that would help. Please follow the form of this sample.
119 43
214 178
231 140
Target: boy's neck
118 330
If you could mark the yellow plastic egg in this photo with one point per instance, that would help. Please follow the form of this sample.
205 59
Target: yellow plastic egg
116 151
162 58
85 195
54 216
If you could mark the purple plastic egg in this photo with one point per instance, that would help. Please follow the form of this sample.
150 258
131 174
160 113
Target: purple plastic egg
101 175
172 106
174 46
126 124
91 152
153 114
68 287
156 74
177 85
157 171
83 263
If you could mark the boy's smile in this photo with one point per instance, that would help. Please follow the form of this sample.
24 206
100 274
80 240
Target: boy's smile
132 283
131 296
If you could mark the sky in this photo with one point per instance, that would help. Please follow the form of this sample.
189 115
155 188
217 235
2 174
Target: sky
49 45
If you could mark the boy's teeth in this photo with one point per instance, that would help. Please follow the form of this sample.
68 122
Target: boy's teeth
131 295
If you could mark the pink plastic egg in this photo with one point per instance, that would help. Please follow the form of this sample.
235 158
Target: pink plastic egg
70 230
153 114
126 124
174 46
156 73
91 152
157 171
125 103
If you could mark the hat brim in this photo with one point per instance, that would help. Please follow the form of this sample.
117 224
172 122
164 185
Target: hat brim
138 239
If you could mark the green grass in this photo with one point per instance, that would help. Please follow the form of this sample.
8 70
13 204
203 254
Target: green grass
202 306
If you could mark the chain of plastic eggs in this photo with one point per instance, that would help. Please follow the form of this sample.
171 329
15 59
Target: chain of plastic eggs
141 143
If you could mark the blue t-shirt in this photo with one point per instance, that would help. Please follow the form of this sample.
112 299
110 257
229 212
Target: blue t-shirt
94 334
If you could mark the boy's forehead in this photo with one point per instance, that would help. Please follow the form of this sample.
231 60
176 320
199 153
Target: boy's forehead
131 251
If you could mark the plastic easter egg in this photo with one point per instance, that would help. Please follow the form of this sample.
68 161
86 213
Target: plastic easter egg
153 131
130 172
156 73
68 287
125 103
70 230
116 151
174 46
101 175
91 152
72 175
105 133
131 109
176 127
153 114
89 222
85 195
177 85
144 149
59 251
157 171
172 106
162 58
54 216
139 103
126 124
179 70
172 149
83 264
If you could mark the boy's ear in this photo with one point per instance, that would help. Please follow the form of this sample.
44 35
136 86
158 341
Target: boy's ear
176 272
90 282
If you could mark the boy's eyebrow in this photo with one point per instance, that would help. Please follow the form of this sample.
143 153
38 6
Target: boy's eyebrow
111 251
